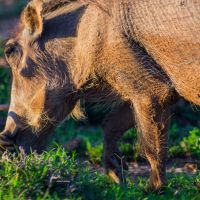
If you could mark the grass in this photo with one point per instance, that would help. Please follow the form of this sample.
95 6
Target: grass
58 175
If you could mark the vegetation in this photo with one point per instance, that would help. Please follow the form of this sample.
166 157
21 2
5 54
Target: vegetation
58 175
76 173
190 145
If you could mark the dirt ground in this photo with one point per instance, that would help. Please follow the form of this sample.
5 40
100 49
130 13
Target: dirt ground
176 166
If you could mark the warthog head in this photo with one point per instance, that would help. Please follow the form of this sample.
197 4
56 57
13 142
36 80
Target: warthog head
42 93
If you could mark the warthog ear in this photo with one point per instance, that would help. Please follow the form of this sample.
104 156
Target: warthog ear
32 19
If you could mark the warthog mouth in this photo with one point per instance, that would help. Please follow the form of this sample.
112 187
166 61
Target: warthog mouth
18 135
23 139
7 142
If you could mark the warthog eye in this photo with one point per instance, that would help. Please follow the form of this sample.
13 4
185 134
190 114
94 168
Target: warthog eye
13 53
9 50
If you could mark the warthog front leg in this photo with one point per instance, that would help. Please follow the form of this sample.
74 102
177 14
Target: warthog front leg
115 125
152 126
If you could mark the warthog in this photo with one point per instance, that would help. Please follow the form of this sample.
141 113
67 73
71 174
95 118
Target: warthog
137 57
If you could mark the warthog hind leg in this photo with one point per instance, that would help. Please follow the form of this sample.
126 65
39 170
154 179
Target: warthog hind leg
115 125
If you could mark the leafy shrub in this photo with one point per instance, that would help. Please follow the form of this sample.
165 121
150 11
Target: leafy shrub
34 175
190 145
94 152
129 146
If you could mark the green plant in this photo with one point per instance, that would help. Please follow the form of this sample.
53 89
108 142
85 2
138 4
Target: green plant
34 175
129 146
189 145
94 152
56 175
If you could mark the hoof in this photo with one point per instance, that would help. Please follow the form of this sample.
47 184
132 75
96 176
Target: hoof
116 168
117 177
156 188
113 176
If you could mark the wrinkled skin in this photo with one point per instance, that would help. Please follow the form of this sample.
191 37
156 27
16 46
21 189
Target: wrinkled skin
136 56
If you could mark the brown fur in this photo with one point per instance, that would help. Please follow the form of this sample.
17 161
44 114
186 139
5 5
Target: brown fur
32 19
132 56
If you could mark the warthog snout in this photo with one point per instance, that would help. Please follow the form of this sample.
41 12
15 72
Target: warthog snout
16 136
8 136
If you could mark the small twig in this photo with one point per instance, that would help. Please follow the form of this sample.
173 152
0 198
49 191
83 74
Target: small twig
122 168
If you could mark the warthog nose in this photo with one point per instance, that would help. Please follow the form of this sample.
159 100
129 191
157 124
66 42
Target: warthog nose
8 136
